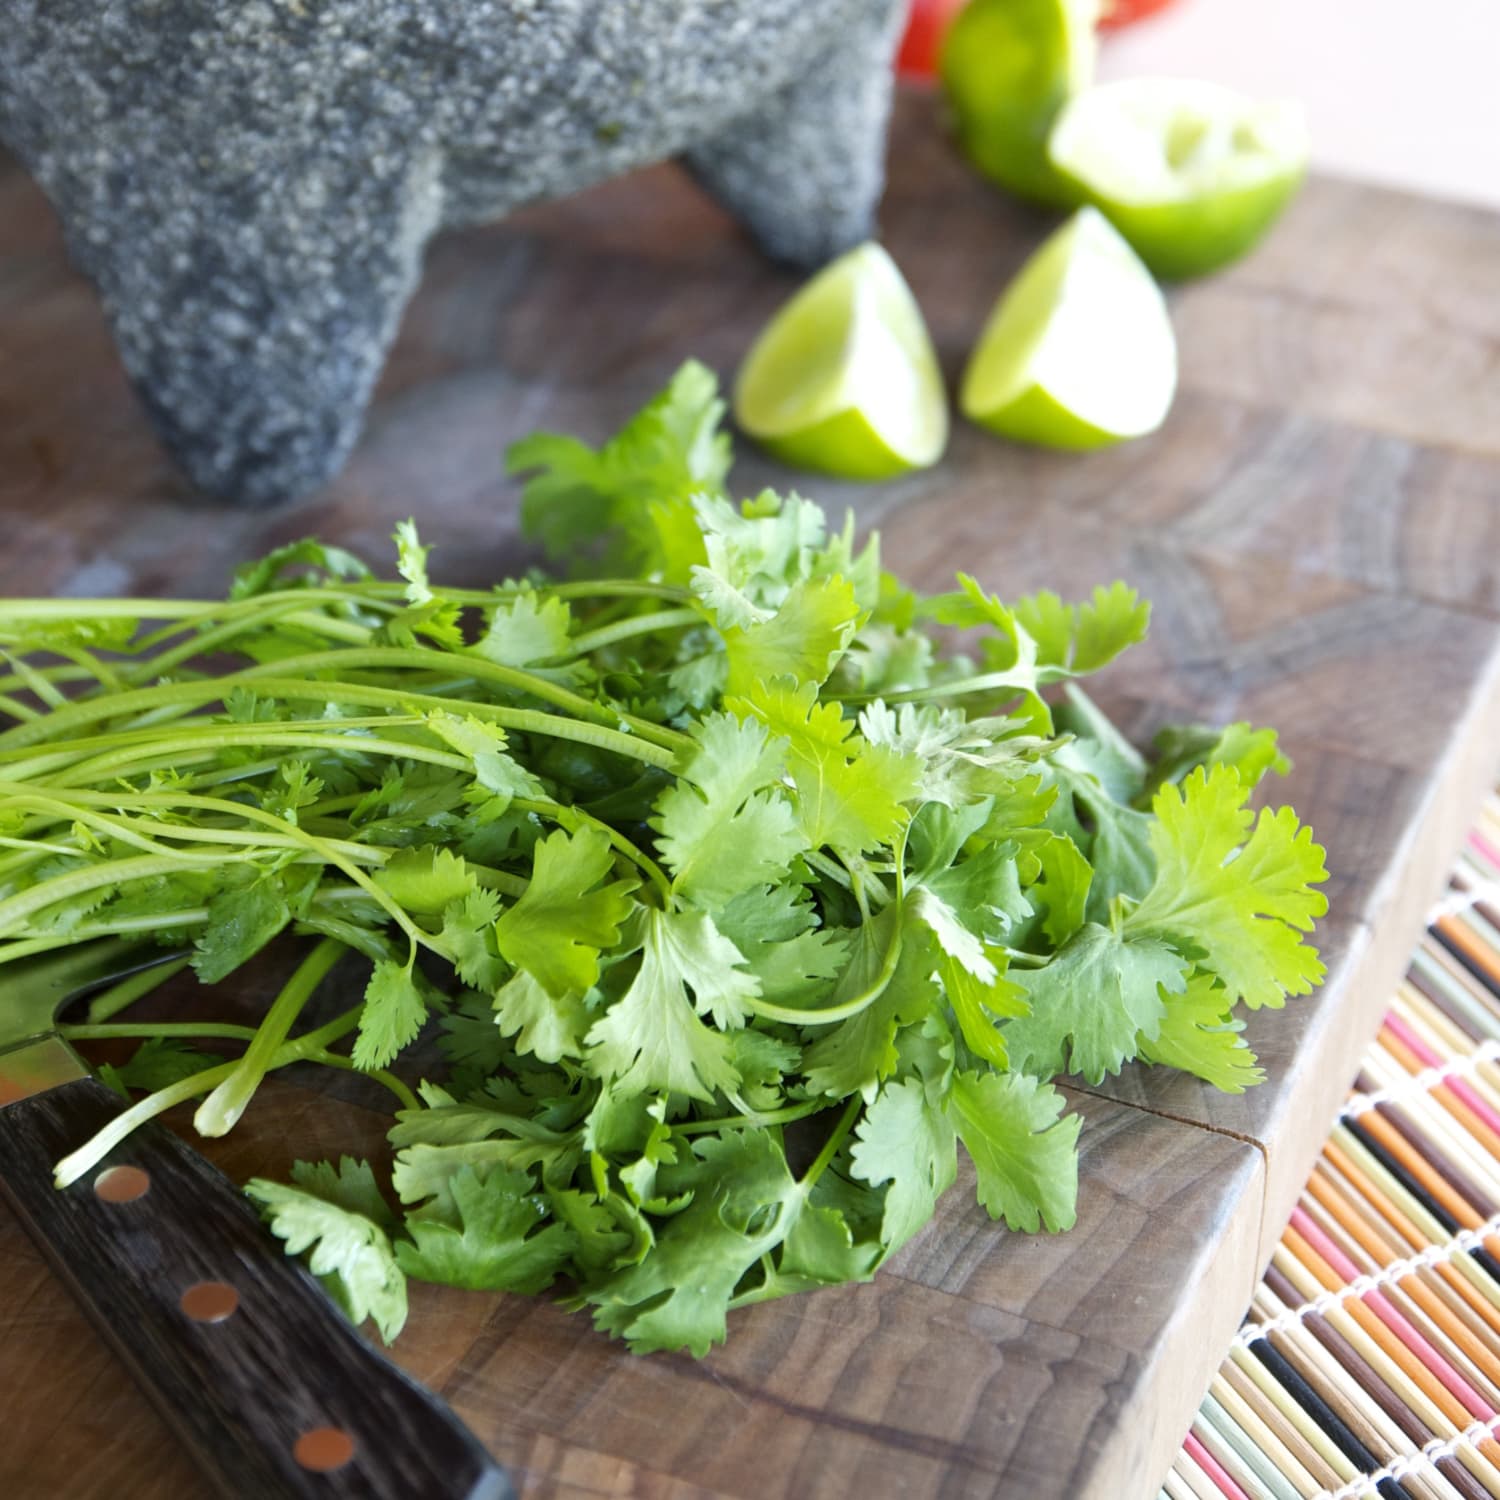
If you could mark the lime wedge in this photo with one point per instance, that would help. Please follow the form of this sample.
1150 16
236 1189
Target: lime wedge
1008 67
1078 352
1192 174
844 378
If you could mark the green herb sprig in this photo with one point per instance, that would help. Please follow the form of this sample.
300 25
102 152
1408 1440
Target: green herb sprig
736 898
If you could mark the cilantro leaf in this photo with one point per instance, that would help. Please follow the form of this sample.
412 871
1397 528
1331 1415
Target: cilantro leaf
495 769
1181 748
974 901
757 552
977 1005
241 921
849 793
1091 1001
651 1040
1025 1151
776 931
525 629
1063 887
548 1026
324 563
1115 839
426 1169
1239 894
393 1014
905 1141
426 880
638 486
557 929
411 563
745 1205
961 759
721 831
350 1252
468 936
496 1242
1199 1035
157 1063
350 1185
1075 639
802 640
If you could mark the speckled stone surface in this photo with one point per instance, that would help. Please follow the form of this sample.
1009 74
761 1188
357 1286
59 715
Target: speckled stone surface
251 183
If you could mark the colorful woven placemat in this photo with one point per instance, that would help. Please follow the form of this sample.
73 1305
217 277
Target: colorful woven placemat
1369 1362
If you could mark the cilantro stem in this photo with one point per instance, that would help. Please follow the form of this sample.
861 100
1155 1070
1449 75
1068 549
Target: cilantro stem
37 847
37 682
593 588
101 672
70 611
827 1015
832 1144
479 667
17 908
626 629
125 992
127 831
382 1076
201 694
219 1113
1017 958
1015 680
225 1031
829 867
754 1120
209 1030
114 871
18 710
304 1048
84 932
209 641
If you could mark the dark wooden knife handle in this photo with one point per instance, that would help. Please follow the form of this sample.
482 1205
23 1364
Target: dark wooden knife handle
244 1392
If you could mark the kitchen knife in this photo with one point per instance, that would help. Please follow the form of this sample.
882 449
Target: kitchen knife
251 1364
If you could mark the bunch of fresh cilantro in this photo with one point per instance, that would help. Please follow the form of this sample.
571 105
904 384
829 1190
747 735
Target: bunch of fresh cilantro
735 898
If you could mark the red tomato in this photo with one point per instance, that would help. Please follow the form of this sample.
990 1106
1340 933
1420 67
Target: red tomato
929 20
924 34
1123 12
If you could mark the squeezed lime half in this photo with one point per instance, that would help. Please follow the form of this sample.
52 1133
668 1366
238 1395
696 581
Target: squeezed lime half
844 378
1191 173
1078 352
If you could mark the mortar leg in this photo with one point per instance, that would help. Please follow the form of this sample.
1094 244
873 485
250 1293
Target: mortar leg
254 331
805 171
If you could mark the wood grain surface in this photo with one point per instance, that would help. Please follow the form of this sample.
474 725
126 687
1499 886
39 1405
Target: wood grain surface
1318 525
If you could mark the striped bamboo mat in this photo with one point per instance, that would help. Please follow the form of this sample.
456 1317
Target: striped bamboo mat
1369 1363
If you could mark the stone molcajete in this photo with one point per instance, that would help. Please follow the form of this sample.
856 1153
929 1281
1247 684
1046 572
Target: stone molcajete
251 184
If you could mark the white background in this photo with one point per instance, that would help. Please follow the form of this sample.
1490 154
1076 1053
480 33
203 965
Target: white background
1405 92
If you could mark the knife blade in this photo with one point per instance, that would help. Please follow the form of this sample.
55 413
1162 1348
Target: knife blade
33 1057
239 1348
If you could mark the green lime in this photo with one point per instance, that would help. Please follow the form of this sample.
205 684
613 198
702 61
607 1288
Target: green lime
1192 174
1078 352
844 378
1008 67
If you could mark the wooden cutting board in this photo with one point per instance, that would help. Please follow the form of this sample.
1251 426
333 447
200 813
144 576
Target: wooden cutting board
1318 525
